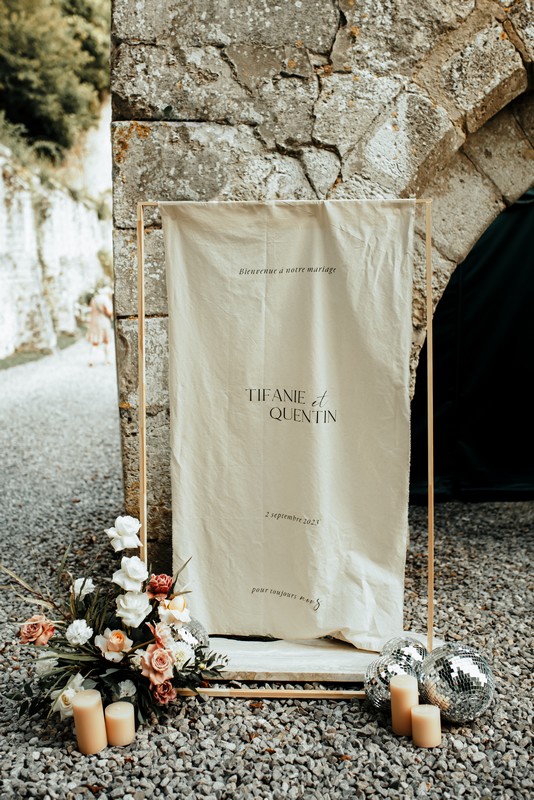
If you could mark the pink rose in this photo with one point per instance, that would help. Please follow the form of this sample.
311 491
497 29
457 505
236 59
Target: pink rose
159 586
38 629
157 664
162 634
164 693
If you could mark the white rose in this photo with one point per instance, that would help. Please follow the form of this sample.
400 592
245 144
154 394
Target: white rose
63 702
62 698
78 632
45 664
137 659
126 688
124 534
174 612
82 586
133 607
131 575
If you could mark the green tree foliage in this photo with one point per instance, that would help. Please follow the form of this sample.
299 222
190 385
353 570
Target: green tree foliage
90 23
53 68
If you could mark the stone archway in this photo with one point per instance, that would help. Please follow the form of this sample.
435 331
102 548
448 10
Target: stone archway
493 168
307 100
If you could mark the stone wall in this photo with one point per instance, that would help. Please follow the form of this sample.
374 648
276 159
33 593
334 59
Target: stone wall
49 257
228 99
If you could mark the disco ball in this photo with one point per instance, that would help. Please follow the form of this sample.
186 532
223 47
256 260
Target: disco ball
378 675
407 647
458 680
198 630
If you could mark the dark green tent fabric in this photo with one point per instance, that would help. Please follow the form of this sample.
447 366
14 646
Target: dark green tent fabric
483 372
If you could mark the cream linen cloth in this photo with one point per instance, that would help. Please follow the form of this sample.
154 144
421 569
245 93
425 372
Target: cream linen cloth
290 332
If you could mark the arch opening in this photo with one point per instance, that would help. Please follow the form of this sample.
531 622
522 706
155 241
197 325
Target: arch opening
483 372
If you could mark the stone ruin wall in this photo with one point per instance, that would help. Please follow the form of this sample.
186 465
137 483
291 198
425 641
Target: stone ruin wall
306 99
51 246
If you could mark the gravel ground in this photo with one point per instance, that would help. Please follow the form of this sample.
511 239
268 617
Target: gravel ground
61 484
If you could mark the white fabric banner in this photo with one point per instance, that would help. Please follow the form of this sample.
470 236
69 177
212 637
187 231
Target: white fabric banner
290 333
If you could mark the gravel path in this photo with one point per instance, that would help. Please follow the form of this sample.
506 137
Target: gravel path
61 484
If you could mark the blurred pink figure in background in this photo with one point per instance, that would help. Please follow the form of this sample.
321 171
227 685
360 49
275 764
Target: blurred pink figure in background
99 329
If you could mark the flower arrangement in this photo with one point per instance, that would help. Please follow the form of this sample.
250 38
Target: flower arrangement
132 639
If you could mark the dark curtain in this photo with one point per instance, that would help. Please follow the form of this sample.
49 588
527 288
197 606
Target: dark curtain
483 372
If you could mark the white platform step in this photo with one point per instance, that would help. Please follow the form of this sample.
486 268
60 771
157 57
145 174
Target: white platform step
309 660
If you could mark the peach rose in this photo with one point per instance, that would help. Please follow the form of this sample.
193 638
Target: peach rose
157 664
113 644
38 629
164 693
162 633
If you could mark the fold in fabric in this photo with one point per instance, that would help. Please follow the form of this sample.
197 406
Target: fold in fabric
289 344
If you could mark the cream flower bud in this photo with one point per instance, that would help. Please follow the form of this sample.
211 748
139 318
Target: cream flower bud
174 612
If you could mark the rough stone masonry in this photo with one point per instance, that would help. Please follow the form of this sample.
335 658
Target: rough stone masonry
241 100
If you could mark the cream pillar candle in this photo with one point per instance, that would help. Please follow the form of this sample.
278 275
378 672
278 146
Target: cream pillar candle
404 695
89 721
120 723
426 726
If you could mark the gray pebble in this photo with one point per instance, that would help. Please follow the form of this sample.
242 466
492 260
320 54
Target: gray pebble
62 443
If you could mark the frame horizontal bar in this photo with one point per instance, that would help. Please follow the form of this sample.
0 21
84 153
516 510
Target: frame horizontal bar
297 694
149 203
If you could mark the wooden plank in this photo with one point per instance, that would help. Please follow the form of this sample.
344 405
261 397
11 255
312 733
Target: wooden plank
298 694
143 506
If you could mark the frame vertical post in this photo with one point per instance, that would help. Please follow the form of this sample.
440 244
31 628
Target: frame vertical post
430 422
141 381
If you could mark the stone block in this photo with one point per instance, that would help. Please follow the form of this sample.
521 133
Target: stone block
405 145
322 168
523 111
521 15
255 64
287 109
219 22
159 502
442 269
155 83
348 104
156 362
125 269
158 83
484 75
361 187
393 36
464 204
501 151
195 161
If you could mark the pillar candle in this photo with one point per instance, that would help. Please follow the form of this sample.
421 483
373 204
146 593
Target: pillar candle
426 726
120 723
89 721
404 695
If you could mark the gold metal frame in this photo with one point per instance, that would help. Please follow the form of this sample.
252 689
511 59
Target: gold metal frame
143 509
